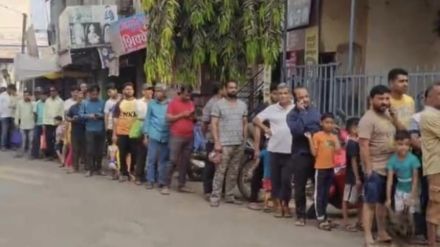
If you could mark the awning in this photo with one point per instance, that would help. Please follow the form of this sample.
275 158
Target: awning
27 67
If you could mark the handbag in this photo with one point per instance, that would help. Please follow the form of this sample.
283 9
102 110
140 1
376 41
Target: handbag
136 130
16 138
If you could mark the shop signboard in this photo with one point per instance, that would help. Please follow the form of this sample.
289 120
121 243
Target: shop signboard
129 34
86 26
298 13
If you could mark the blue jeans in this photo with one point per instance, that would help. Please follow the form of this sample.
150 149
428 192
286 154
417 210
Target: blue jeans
157 151
6 130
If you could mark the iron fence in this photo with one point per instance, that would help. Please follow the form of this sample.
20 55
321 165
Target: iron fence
332 91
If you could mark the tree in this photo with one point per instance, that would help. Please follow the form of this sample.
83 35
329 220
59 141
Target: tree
227 36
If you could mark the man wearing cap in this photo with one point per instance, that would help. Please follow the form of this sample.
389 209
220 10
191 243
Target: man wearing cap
141 112
156 135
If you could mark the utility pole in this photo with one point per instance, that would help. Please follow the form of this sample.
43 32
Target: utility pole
283 63
23 34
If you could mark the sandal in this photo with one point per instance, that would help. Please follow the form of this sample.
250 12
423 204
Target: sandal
351 228
324 225
300 222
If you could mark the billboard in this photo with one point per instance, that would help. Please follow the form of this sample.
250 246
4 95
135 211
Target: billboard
129 34
298 13
86 26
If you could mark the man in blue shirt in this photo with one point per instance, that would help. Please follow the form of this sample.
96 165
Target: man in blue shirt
303 118
77 132
156 132
92 111
38 115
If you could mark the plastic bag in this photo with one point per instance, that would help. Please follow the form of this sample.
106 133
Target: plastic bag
16 138
136 130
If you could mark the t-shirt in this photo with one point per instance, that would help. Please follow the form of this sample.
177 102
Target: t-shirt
108 109
352 151
141 108
231 117
78 125
206 115
403 170
405 108
430 131
183 127
68 103
380 131
125 112
281 139
39 112
325 145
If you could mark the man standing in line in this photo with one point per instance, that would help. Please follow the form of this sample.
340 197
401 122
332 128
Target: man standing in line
73 98
430 130
54 106
124 117
261 142
279 147
110 104
229 129
209 170
92 111
401 103
156 136
181 114
24 119
39 107
141 112
377 128
303 118
83 89
7 114
77 133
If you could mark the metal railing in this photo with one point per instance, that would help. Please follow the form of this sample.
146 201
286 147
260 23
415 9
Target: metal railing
332 91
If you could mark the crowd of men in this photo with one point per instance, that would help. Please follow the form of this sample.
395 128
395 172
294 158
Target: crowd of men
150 138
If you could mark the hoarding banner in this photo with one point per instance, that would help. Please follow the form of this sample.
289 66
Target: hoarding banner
86 26
129 34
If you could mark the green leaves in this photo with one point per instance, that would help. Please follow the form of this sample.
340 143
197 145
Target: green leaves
226 36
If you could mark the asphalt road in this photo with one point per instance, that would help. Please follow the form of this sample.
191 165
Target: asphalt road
40 205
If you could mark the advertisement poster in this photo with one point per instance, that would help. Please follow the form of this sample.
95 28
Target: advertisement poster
86 26
129 34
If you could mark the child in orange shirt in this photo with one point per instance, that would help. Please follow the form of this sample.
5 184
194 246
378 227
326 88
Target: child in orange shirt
324 145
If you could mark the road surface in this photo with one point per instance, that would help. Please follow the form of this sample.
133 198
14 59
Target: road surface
42 206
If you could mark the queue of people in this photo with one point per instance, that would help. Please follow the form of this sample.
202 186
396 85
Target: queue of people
391 153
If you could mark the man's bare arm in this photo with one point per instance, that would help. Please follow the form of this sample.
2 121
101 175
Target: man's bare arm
215 130
364 145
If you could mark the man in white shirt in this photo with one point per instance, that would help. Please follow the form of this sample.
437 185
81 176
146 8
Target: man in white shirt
73 98
113 98
141 112
279 147
54 106
7 113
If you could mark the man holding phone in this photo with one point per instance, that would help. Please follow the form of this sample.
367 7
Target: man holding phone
181 115
92 111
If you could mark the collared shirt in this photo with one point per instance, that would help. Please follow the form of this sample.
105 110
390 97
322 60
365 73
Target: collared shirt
300 122
156 125
39 112
183 127
53 108
430 130
281 139
24 116
95 107
7 105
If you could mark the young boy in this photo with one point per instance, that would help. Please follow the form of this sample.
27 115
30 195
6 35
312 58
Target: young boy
59 138
113 159
324 145
405 166
353 178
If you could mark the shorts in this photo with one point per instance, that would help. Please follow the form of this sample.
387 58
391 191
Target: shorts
267 184
352 195
375 188
433 210
400 202
59 147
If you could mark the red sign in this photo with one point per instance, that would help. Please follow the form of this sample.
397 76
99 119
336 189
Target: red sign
129 34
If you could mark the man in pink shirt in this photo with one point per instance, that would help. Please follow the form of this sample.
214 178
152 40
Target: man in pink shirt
180 114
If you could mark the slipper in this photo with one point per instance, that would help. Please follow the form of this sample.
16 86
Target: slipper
351 228
385 240
325 226
300 222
